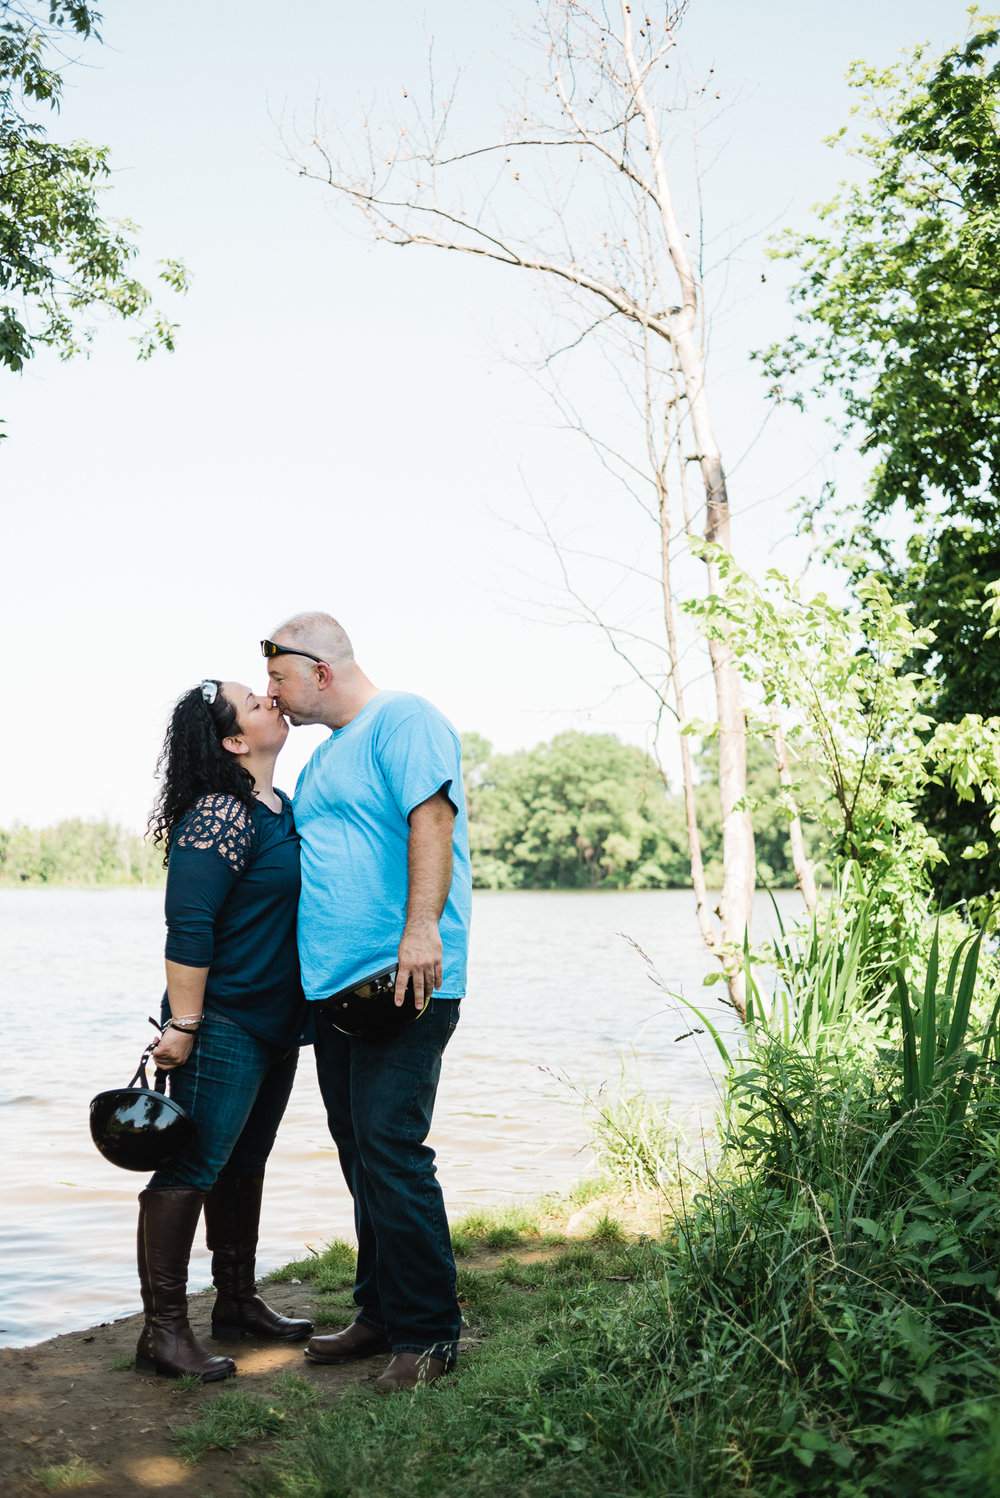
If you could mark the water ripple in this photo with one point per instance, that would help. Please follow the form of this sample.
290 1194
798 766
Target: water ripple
559 1006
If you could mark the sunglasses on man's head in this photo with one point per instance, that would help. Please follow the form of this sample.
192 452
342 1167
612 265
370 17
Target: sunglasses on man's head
269 648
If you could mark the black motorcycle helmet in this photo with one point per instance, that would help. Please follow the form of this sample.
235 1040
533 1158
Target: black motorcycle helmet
138 1127
367 1010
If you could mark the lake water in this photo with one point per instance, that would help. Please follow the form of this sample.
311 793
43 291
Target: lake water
559 1003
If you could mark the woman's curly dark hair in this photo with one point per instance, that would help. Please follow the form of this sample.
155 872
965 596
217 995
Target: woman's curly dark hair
193 763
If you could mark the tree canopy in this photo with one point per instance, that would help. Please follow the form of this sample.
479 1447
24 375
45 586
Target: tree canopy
59 258
900 291
585 811
76 852
899 299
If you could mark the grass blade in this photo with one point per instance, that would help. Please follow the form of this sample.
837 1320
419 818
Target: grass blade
720 1044
928 1019
963 999
911 1076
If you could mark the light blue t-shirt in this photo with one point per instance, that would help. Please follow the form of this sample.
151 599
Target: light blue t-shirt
351 804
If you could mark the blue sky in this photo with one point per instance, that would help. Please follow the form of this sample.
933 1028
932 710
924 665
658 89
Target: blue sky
338 427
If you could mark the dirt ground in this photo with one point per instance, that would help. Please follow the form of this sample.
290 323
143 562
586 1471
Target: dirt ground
61 1400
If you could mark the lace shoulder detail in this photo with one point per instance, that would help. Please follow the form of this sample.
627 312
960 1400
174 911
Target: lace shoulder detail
221 823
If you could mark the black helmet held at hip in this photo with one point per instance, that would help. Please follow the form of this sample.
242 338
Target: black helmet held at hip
138 1127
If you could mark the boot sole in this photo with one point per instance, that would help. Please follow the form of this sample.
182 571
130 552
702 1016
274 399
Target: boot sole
146 1365
224 1331
351 1357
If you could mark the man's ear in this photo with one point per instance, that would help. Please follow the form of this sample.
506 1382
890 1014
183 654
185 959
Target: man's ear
324 676
236 745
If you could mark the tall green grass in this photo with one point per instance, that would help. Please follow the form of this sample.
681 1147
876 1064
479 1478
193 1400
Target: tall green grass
827 1319
940 1056
822 1317
636 1142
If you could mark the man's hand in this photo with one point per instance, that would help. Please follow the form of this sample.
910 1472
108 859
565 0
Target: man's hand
429 865
172 1049
420 958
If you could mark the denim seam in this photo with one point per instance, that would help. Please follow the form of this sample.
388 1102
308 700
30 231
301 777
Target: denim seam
431 1191
373 1326
445 1350
428 1192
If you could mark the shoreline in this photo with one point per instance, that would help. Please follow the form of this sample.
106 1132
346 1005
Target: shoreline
480 889
66 1402
78 1403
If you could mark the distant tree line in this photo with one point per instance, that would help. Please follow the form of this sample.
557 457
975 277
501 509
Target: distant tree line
583 811
586 811
75 852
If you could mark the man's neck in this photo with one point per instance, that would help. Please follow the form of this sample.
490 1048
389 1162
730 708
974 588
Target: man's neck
352 697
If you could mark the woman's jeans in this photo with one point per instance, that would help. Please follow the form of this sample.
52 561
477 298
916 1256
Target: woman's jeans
235 1087
379 1098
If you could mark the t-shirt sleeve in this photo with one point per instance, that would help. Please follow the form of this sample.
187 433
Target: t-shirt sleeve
210 850
418 758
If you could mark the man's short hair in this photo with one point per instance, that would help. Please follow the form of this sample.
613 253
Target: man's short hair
320 634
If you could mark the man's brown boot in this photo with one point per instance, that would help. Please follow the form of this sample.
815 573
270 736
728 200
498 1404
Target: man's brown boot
167 1222
408 1369
355 1341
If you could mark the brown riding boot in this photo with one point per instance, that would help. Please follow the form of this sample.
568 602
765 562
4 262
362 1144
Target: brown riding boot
167 1221
232 1218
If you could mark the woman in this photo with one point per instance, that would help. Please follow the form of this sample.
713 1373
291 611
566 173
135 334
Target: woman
233 1016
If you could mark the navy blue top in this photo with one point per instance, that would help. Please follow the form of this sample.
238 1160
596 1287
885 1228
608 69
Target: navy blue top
231 905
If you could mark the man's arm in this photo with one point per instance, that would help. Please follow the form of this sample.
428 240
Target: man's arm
429 865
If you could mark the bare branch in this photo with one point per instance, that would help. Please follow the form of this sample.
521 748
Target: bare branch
636 296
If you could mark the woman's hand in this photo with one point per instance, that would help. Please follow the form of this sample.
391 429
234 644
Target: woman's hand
172 1049
186 996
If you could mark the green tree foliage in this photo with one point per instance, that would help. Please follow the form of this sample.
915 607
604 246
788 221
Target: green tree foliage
899 300
585 811
582 812
58 256
769 810
857 719
900 291
947 596
76 853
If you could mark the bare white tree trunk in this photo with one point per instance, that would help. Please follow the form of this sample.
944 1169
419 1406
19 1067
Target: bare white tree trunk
687 768
604 83
738 855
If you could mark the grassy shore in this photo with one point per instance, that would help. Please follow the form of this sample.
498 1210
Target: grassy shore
484 1430
815 1313
815 1309
737 1353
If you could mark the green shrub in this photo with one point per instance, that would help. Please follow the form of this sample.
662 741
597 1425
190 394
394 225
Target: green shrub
826 1321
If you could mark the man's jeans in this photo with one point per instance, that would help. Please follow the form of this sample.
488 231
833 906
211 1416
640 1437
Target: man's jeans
379 1098
235 1087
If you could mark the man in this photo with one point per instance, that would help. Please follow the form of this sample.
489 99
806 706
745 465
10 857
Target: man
380 813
